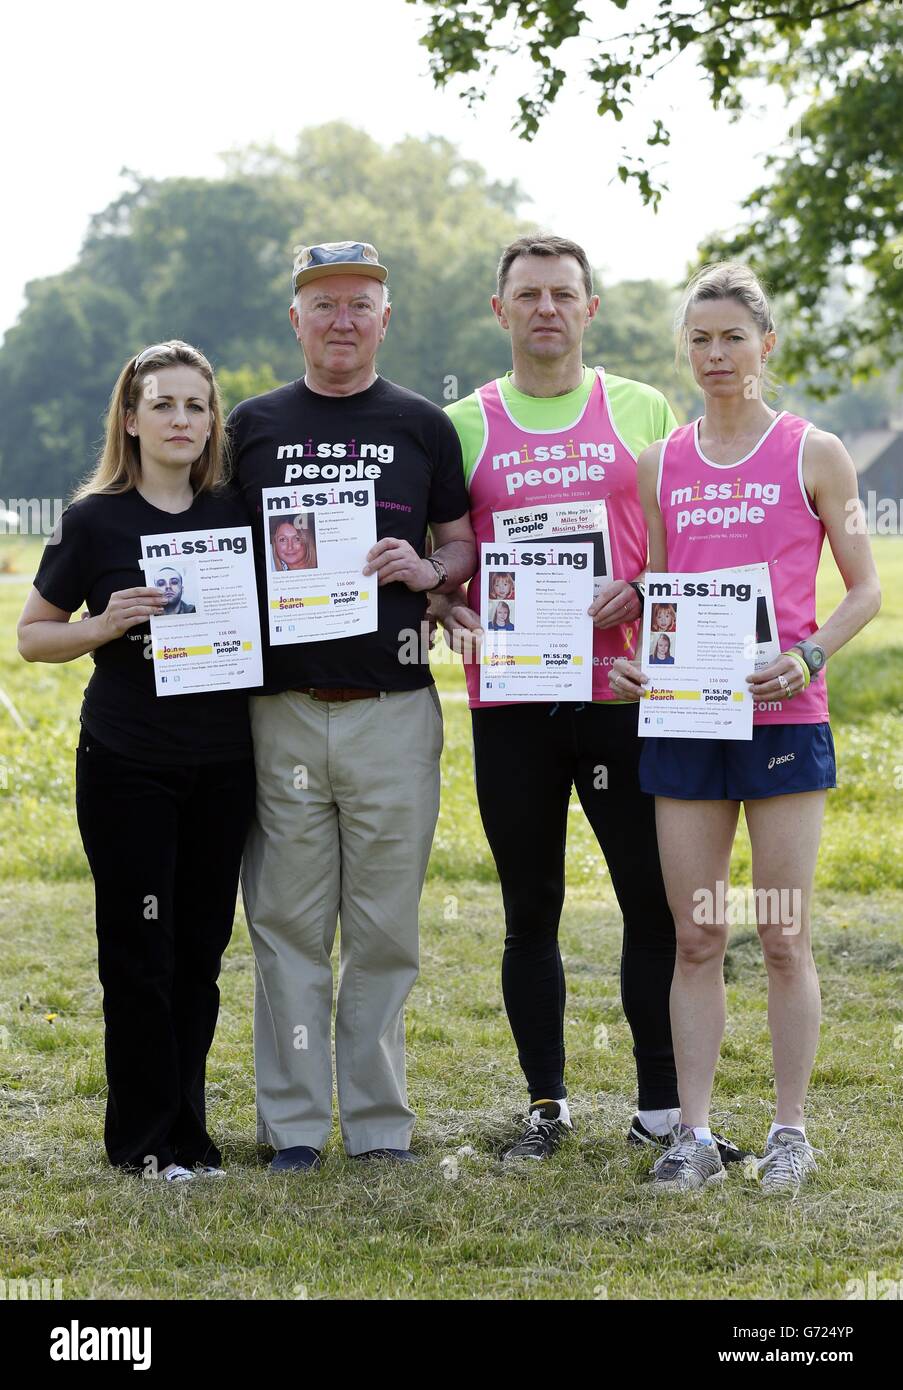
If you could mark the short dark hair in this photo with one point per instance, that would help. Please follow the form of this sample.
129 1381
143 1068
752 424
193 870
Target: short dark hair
543 244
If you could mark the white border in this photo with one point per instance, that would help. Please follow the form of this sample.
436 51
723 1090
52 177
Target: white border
799 472
661 464
479 459
563 429
746 457
600 373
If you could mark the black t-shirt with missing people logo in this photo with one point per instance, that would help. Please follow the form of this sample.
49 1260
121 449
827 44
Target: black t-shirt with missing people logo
411 451
94 553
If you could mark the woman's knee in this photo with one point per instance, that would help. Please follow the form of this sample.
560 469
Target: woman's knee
786 949
699 944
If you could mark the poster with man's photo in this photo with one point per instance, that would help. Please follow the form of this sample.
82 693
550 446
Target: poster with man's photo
315 542
207 636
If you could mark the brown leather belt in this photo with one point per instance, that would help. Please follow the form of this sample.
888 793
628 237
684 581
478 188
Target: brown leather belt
336 692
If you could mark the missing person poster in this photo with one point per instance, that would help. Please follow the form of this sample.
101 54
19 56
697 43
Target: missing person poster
316 541
767 641
699 645
208 635
566 523
538 642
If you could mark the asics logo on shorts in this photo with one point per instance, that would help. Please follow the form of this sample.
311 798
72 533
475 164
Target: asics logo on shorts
784 758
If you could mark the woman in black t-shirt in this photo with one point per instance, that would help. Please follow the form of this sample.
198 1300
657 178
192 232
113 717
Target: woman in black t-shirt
164 787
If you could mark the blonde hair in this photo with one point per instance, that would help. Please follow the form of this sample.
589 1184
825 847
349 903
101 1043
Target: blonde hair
726 280
119 466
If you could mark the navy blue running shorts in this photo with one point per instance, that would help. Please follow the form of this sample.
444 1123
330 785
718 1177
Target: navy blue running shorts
779 759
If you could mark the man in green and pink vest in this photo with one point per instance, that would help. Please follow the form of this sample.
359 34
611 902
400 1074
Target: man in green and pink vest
552 432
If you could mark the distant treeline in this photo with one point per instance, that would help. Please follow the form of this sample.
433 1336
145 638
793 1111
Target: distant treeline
209 260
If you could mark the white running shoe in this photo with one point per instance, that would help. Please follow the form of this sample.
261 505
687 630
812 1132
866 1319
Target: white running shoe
688 1165
176 1173
206 1170
788 1161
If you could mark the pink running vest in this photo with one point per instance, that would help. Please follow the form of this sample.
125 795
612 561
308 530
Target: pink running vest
539 458
719 515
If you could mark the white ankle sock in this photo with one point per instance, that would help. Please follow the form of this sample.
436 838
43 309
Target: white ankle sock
659 1121
801 1129
702 1134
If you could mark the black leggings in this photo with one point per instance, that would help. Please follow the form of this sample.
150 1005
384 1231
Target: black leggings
164 845
527 757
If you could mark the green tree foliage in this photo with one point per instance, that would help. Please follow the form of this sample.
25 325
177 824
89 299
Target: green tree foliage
826 220
825 226
633 335
237 385
725 37
210 261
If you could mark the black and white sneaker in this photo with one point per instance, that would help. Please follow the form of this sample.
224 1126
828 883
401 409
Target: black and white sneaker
639 1135
544 1132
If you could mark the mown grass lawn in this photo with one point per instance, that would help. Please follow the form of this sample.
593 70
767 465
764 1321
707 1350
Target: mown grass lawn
458 1226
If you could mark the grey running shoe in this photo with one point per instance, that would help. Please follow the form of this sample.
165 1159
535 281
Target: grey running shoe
789 1159
544 1132
688 1165
639 1135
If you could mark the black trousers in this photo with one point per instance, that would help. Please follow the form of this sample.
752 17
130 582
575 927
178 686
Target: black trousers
527 758
164 845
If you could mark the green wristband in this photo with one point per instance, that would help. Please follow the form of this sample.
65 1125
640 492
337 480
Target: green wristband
807 674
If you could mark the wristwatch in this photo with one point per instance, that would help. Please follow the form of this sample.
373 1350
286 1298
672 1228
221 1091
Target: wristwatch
441 572
641 591
813 655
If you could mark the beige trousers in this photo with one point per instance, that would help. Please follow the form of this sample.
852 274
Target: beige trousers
347 801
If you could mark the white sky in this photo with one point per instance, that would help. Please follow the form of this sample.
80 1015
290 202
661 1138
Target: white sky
163 88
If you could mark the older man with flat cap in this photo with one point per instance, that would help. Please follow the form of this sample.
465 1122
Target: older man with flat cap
350 836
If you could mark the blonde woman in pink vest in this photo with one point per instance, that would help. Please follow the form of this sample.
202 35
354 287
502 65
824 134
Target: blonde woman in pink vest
804 486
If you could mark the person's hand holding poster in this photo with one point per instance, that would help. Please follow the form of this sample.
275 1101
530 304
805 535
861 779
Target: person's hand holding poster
539 639
699 645
316 541
208 635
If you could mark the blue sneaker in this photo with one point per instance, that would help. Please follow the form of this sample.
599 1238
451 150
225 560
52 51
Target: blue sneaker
395 1155
295 1160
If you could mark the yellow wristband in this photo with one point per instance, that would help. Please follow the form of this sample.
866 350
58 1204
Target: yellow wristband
807 674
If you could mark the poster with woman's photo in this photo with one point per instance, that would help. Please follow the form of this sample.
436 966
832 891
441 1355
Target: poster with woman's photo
316 541
293 542
207 636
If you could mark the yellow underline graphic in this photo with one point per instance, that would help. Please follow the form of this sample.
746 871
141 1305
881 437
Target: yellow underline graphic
503 661
287 605
171 653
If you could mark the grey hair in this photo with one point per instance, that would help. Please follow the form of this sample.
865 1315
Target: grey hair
296 301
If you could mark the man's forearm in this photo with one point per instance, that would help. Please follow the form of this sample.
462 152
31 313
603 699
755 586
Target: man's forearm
460 560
